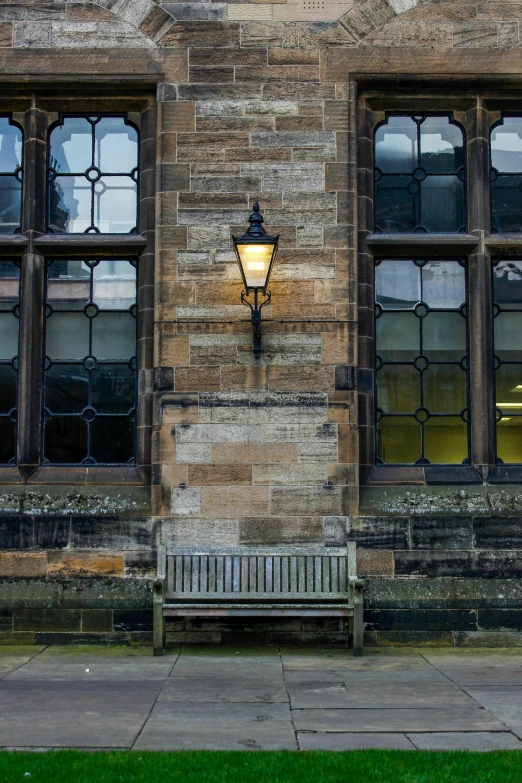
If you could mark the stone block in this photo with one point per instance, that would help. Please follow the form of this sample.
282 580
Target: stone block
286 176
499 619
494 639
31 34
508 35
380 532
317 452
110 533
96 620
293 139
280 530
6 620
234 377
156 23
203 56
374 563
325 34
197 378
200 532
133 620
253 452
275 34
299 123
279 73
335 530
298 501
441 533
247 11
420 619
497 532
219 474
475 34
6 34
194 453
186 501
64 565
493 565
199 33
234 501
290 474
197 12
47 619
293 56
23 565
301 378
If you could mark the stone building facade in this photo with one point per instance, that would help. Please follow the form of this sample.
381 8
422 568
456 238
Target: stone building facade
276 102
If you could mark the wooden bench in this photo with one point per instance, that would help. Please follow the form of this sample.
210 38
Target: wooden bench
258 582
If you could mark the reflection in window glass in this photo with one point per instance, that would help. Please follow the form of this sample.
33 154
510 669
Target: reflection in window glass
10 177
419 175
93 176
421 362
9 305
507 331
90 363
506 175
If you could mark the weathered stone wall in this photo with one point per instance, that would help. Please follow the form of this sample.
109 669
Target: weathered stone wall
252 451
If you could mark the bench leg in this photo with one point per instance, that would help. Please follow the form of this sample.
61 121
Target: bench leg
358 626
158 633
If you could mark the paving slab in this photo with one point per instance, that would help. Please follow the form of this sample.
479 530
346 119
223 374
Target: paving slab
92 669
330 741
386 695
503 701
218 727
354 676
373 660
396 720
237 663
225 689
478 667
120 654
66 714
11 658
470 740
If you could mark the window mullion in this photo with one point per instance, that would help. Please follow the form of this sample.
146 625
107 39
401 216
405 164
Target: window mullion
32 295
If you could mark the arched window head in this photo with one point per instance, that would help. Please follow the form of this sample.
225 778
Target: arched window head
93 176
419 175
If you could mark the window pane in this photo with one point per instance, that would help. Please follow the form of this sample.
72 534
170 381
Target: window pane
397 285
116 146
509 439
113 439
67 336
70 204
509 388
399 440
507 284
508 336
506 204
71 146
397 336
66 388
446 440
10 146
114 336
115 200
396 204
398 388
443 284
65 440
506 145
85 191
396 145
113 388
445 388
432 197
90 366
10 204
114 285
442 146
444 336
9 299
442 204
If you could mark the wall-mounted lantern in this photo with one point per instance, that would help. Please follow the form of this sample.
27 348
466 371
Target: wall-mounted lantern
255 252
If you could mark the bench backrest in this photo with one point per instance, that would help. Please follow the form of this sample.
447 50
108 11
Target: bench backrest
248 573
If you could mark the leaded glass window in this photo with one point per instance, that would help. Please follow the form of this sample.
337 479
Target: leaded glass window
9 320
507 312
93 176
421 362
11 145
419 172
506 175
90 396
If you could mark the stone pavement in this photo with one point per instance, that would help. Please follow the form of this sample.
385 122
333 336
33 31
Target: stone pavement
270 699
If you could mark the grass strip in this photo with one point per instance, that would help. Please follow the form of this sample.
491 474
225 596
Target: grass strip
363 766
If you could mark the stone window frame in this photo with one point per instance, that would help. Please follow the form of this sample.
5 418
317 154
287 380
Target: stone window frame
36 111
477 112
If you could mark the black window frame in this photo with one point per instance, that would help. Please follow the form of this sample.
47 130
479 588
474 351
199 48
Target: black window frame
35 112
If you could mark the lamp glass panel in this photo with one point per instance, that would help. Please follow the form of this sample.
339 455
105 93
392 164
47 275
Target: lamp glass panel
255 260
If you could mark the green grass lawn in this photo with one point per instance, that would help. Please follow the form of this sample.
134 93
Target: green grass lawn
366 766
